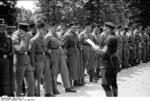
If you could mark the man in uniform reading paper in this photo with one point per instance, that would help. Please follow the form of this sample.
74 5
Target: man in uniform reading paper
110 63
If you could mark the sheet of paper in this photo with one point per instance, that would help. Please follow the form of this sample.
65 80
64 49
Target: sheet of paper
92 44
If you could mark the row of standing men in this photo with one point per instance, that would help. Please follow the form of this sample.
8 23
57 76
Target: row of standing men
29 56
46 54
134 46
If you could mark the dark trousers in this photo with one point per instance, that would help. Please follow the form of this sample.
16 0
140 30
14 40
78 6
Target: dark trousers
4 77
109 82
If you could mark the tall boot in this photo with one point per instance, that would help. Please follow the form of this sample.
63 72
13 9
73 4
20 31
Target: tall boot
90 76
98 73
23 88
82 80
55 90
108 93
95 77
75 83
115 92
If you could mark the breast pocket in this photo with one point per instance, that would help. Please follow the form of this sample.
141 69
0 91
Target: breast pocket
70 52
38 47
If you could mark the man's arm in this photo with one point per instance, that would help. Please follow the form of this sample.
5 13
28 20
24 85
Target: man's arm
32 45
65 43
18 44
97 48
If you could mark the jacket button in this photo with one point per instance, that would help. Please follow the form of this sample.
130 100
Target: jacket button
26 53
4 56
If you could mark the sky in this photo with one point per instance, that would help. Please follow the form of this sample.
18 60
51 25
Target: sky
27 4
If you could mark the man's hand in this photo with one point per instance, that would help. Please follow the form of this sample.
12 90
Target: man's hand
92 44
4 56
95 47
104 49
49 51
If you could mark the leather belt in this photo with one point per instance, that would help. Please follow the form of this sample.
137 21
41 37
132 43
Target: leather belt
55 47
4 56
86 44
75 46
25 53
41 53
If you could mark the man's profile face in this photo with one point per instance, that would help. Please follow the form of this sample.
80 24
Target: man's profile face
108 30
88 28
42 32
97 31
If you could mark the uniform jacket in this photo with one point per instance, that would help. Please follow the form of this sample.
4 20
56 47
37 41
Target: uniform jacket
37 46
5 54
109 58
20 41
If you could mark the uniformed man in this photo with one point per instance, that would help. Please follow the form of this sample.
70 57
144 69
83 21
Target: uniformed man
71 45
141 44
128 48
40 60
58 61
97 40
23 68
87 51
10 30
131 41
148 44
137 39
81 57
144 44
110 63
32 32
5 62
98 73
125 50
119 53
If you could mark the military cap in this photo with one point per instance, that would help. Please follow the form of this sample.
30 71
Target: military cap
67 25
74 27
31 24
71 24
95 25
109 25
88 24
126 28
76 24
23 25
40 24
119 27
2 23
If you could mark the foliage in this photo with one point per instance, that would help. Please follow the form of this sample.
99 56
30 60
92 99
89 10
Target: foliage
138 12
120 12
24 15
8 11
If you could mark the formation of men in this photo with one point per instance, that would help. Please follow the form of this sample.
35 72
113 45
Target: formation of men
134 46
34 54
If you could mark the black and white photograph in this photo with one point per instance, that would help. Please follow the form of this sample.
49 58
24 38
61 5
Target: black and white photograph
74 48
